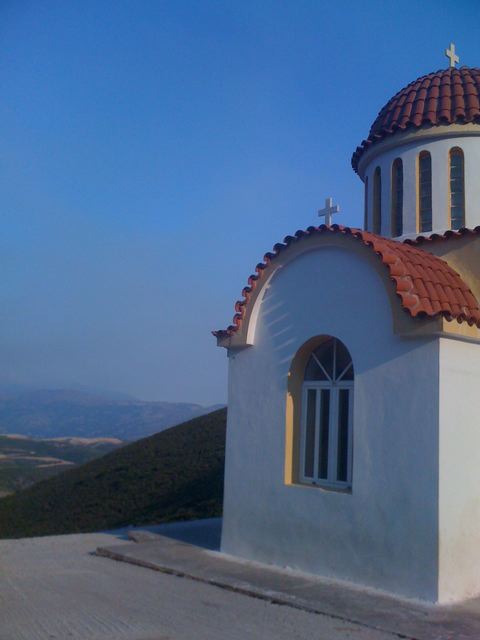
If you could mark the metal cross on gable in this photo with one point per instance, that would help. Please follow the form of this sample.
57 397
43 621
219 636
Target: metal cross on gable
329 210
450 53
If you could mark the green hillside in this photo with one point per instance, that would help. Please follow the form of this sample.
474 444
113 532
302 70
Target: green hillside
176 474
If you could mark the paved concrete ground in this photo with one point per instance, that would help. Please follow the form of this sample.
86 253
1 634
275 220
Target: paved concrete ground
53 588
369 610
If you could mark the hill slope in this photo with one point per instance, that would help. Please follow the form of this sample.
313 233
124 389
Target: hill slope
174 475
24 460
63 412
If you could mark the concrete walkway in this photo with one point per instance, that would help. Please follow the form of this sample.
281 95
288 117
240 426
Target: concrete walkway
366 610
53 588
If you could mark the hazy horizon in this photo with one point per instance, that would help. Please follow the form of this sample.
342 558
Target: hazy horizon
14 389
152 152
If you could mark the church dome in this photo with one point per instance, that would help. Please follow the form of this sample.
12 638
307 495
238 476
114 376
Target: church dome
448 96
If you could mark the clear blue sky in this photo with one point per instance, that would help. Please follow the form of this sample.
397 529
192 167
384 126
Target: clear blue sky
151 152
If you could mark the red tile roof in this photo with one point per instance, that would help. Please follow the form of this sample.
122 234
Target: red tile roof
444 97
446 235
426 285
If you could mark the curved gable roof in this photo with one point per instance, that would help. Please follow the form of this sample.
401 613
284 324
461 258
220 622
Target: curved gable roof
426 285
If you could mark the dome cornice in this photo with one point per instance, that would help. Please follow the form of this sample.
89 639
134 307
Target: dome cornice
419 136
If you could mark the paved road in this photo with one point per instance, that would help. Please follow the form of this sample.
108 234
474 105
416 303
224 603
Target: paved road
53 589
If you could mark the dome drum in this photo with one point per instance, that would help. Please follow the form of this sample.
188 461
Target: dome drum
440 150
418 163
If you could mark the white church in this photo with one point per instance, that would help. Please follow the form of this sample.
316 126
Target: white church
353 437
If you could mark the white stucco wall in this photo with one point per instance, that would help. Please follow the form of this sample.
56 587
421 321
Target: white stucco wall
439 149
383 534
459 488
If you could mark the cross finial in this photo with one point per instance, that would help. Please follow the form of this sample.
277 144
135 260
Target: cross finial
450 53
329 209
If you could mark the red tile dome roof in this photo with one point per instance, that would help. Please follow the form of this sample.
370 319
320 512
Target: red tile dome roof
448 96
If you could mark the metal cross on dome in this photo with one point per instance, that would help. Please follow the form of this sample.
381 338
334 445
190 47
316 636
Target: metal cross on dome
329 210
450 53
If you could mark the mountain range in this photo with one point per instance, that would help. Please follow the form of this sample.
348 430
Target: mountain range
55 413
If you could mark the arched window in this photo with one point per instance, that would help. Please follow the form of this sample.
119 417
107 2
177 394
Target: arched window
457 189
424 192
397 198
327 410
377 201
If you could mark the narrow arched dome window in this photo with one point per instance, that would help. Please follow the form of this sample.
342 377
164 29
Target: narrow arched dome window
397 198
457 188
365 206
377 201
424 192
327 416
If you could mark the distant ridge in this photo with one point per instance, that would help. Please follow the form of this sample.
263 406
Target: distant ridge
173 475
25 460
54 413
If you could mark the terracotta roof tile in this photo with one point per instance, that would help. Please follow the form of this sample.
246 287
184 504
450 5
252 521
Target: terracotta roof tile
447 96
425 284
434 237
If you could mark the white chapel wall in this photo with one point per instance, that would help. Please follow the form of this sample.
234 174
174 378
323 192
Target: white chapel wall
459 452
383 534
